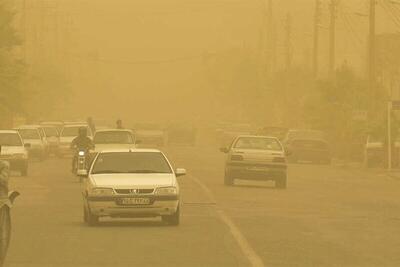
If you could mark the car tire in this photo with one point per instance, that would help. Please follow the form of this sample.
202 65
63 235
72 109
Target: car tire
89 218
281 183
173 219
228 180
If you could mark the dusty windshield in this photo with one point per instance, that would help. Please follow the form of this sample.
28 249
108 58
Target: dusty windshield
131 162
10 139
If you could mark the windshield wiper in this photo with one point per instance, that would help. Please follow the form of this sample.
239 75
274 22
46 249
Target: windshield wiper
144 171
106 172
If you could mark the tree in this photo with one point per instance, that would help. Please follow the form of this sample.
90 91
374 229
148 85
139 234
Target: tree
11 69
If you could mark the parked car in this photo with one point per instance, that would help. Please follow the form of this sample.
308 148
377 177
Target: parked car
58 124
106 139
53 138
374 151
68 133
14 151
303 134
150 133
34 136
309 150
131 183
255 158
278 132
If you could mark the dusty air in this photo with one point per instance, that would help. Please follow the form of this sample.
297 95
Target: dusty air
199 133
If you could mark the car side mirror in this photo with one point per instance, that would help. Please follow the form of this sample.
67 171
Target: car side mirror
180 172
224 149
27 145
83 173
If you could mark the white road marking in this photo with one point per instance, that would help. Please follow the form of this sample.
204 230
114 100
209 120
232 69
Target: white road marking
241 240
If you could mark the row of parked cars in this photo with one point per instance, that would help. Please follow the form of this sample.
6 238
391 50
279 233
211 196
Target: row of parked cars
305 145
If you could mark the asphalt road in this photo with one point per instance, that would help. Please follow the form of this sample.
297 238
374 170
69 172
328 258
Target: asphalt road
328 216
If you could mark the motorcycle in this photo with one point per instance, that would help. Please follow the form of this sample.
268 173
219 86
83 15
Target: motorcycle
5 224
81 164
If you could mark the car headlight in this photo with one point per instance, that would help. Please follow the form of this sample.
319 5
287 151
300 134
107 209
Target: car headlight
163 191
102 192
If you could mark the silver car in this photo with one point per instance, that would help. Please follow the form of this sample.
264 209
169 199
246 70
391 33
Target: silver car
256 158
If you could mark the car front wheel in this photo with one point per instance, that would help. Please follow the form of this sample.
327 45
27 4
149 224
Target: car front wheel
172 219
89 218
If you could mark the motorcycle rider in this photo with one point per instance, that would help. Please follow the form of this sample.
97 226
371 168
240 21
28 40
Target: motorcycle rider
119 124
81 143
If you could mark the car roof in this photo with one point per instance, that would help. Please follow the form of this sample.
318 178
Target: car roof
113 130
257 136
8 131
133 150
75 125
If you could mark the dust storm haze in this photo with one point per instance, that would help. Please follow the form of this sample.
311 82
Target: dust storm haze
283 116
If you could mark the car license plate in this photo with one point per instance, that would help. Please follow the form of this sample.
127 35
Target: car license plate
258 169
134 201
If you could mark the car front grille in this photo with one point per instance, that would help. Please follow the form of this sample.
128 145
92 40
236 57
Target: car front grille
134 191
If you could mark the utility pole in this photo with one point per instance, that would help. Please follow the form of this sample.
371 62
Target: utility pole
288 42
317 16
371 46
332 35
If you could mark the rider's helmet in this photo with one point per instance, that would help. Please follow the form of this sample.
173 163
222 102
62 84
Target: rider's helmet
83 132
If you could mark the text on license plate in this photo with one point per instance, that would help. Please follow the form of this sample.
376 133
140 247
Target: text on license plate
134 201
259 169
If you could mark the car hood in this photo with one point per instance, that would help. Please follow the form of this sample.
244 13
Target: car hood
11 150
256 154
147 180
101 147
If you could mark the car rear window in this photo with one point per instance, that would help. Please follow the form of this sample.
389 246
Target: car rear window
131 162
50 131
10 139
258 143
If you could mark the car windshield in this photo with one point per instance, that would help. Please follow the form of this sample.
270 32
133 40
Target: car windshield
10 139
51 131
113 137
258 143
131 162
29 133
71 131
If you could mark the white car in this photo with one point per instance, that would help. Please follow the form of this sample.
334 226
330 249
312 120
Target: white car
14 151
106 139
34 136
132 183
67 135
52 137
